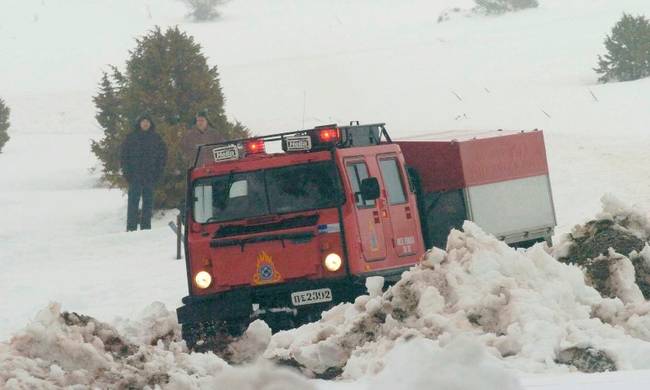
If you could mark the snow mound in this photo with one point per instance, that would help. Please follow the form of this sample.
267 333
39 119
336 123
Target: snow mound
613 250
155 323
68 350
410 366
523 307
478 305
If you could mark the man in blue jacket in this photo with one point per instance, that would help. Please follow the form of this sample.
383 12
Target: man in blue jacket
143 156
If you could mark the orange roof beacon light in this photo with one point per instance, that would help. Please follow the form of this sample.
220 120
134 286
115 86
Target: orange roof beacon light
331 135
254 146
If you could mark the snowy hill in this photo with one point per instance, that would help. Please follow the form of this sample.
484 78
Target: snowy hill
285 64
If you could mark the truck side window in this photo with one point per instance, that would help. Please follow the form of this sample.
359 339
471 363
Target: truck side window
392 180
358 171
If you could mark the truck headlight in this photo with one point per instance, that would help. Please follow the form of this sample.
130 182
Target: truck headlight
332 262
203 279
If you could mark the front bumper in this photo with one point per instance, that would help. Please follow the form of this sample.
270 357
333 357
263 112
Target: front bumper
238 303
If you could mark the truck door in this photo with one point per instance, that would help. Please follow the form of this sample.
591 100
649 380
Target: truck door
371 230
401 207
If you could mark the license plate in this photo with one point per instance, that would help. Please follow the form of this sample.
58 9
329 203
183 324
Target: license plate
298 143
311 296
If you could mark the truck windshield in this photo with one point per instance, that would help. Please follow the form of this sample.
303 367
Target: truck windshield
271 191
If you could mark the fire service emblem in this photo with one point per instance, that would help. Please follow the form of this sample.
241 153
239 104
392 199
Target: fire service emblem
266 272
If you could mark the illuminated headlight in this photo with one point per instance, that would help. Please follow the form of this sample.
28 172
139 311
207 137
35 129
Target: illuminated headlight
332 262
203 279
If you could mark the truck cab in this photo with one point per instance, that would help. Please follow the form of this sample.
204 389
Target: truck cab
283 236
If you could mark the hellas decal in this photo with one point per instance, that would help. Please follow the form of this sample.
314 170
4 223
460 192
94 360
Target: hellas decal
266 272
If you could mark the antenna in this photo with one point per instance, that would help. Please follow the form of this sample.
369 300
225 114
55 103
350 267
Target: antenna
304 107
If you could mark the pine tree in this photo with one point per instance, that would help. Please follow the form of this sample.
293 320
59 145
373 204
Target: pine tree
109 118
4 123
203 10
503 6
167 77
628 51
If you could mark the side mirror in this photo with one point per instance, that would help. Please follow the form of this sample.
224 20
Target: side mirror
369 188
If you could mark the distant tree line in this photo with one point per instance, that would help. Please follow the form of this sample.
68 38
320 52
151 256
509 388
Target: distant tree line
488 7
492 7
203 10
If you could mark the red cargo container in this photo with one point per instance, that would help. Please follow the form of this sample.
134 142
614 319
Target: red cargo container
498 179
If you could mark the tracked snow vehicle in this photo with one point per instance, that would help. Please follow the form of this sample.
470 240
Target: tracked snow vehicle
284 235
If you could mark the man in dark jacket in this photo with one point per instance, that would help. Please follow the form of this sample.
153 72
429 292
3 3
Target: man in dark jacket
143 156
199 134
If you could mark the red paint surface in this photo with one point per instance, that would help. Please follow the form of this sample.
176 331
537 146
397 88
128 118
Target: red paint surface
231 266
488 157
258 161
387 223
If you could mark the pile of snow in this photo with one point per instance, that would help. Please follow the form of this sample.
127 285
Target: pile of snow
60 349
527 310
68 350
423 364
479 306
613 250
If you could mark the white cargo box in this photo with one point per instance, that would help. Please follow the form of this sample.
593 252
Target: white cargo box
497 179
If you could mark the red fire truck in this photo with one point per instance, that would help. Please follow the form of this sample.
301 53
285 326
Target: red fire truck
283 235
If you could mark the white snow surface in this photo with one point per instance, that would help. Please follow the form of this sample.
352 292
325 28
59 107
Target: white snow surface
289 64
524 307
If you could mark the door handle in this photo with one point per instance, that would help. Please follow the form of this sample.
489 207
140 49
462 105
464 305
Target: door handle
381 205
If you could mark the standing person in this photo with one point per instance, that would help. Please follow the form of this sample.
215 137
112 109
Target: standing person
143 156
199 134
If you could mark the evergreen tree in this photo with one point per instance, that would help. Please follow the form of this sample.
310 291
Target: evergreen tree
167 77
503 6
203 10
628 51
4 123
109 118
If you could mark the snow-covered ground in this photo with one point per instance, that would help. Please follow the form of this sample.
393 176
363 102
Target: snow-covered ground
285 64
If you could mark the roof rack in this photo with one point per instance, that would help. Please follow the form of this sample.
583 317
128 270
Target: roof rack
348 136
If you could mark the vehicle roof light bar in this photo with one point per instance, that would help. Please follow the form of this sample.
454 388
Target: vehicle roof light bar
346 138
